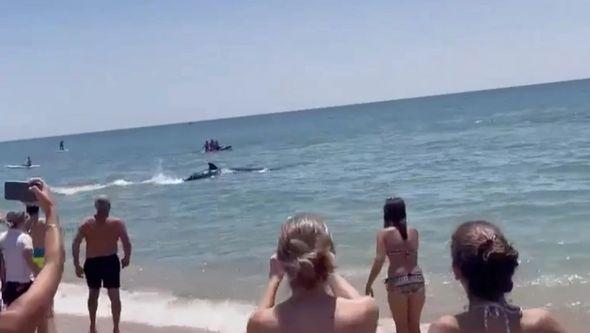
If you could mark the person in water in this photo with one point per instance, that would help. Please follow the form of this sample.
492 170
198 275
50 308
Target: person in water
321 299
214 145
405 281
102 267
484 262
207 146
61 145
29 163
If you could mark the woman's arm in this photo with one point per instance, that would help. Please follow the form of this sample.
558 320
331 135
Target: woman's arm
377 265
270 294
25 313
275 276
341 288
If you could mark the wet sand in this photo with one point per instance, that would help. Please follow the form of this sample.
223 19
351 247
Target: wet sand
68 323
75 324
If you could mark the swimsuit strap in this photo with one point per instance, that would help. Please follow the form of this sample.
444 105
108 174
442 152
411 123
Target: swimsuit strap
494 309
406 252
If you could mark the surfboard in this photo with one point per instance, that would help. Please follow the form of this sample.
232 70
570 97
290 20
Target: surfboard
10 166
63 150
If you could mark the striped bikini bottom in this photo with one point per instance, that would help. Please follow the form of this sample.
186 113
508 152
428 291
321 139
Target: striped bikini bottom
406 284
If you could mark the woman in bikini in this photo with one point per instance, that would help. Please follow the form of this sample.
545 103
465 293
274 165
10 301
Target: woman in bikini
484 262
405 282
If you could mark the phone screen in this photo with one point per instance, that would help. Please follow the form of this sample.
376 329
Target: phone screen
19 191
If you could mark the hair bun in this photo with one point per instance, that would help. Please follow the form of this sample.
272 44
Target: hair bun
304 248
487 260
306 274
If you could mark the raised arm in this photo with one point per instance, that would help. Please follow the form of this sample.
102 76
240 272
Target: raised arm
126 245
76 250
377 264
27 310
275 276
341 288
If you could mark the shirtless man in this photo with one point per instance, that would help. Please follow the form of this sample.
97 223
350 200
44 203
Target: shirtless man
102 267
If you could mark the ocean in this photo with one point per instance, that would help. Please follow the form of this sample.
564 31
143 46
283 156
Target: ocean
519 157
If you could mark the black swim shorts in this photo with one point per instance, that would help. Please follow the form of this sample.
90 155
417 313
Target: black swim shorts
103 272
13 290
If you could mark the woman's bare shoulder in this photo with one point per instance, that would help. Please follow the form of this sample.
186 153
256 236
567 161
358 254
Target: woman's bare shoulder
445 324
539 320
361 310
263 321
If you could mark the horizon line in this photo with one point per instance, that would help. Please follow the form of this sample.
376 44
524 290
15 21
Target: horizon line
298 110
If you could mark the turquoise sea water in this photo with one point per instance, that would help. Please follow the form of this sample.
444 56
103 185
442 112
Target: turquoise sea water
519 157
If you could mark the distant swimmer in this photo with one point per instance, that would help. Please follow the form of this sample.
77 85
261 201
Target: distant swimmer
28 163
61 145
215 145
209 173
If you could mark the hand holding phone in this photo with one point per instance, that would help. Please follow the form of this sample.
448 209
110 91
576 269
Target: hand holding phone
19 191
42 194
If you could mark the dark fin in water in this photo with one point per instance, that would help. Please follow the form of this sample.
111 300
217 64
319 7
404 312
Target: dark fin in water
212 167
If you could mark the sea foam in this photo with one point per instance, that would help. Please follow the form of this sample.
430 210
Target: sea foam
160 309
157 179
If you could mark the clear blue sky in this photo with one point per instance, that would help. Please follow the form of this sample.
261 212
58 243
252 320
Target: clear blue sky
79 66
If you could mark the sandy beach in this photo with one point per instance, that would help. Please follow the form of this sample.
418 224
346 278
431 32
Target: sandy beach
68 323
74 324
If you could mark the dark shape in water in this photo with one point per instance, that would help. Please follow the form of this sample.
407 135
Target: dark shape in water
215 171
211 172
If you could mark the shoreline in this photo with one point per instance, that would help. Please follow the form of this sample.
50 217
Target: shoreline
158 312
71 323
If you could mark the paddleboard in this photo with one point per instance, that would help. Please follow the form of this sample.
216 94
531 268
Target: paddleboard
63 151
22 166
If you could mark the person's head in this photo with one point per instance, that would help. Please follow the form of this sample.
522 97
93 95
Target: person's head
394 215
102 205
16 220
483 260
33 213
306 249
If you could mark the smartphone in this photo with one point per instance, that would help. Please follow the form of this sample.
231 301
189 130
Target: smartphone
19 191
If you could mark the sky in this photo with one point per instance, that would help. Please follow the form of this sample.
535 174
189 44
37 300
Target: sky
82 66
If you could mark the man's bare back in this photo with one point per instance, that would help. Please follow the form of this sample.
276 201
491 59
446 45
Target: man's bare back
102 236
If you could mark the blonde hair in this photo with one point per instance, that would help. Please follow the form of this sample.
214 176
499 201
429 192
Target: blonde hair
305 248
